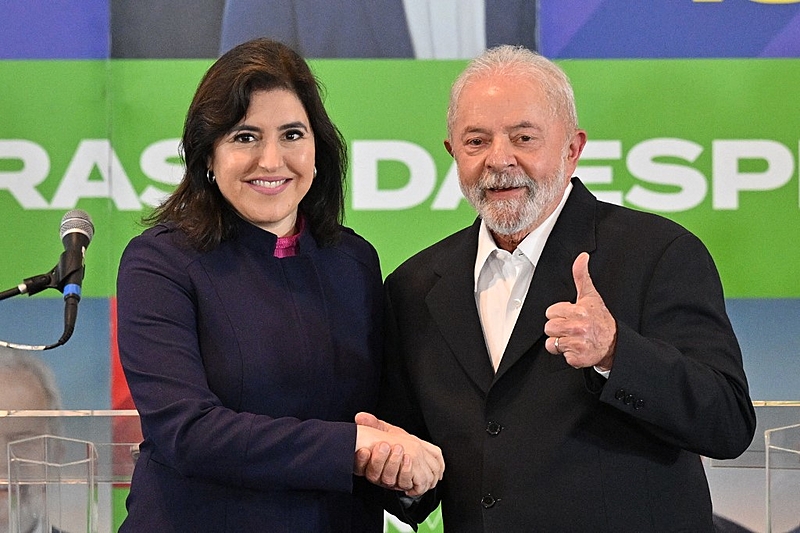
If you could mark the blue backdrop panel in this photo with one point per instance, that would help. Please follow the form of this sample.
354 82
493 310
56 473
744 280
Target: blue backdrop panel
668 29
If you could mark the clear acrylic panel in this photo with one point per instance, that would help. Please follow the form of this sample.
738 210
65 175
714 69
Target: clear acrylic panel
739 487
52 485
65 443
783 478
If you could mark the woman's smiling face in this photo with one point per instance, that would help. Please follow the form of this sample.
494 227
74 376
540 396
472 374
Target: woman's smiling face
264 165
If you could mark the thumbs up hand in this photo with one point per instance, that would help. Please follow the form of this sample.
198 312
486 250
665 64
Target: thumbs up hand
585 333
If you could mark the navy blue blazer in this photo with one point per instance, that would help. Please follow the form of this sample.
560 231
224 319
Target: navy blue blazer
247 371
541 446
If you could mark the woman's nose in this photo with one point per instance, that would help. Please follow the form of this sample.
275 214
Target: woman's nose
270 157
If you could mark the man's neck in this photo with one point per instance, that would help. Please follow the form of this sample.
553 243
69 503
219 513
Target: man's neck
509 243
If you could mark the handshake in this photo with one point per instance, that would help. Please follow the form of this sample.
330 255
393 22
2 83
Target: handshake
390 457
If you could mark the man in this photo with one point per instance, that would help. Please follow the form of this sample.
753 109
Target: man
572 358
26 383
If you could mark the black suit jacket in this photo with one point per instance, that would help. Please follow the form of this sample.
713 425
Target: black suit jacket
540 446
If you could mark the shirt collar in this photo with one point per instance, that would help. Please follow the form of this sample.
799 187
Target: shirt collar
531 246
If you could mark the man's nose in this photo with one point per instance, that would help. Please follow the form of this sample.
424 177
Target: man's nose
501 155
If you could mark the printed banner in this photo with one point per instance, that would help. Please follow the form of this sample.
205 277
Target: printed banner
712 144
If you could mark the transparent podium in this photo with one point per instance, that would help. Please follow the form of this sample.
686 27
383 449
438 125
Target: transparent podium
70 471
760 490
783 478
66 471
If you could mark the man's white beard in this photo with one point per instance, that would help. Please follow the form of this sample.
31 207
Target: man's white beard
509 217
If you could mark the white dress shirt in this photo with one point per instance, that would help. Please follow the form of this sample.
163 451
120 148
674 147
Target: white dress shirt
446 29
502 280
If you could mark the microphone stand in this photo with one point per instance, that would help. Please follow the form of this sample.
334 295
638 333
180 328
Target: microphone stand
37 284
33 285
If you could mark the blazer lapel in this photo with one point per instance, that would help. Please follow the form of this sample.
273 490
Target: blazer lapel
573 233
451 302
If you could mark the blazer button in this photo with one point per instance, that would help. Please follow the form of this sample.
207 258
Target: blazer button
628 399
493 428
488 501
638 404
620 394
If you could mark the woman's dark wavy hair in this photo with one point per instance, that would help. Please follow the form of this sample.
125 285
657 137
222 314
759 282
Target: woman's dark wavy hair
196 206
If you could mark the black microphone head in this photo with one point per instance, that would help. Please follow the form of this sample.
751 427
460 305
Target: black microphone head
77 221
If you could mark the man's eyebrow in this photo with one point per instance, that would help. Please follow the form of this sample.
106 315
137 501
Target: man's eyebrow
526 124
474 129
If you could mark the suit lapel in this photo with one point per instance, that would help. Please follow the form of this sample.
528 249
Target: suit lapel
451 302
573 233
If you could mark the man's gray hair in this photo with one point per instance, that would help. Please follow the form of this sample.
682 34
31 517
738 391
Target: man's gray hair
508 60
20 360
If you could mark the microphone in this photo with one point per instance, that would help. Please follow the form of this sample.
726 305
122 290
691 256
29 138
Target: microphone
77 231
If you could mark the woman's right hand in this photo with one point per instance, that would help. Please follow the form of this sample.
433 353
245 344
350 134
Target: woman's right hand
394 459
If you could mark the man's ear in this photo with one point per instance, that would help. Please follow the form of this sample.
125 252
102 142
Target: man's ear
574 150
448 147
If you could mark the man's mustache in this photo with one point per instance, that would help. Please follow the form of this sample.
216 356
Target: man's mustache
505 180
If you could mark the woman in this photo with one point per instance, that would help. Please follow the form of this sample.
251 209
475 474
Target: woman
249 319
